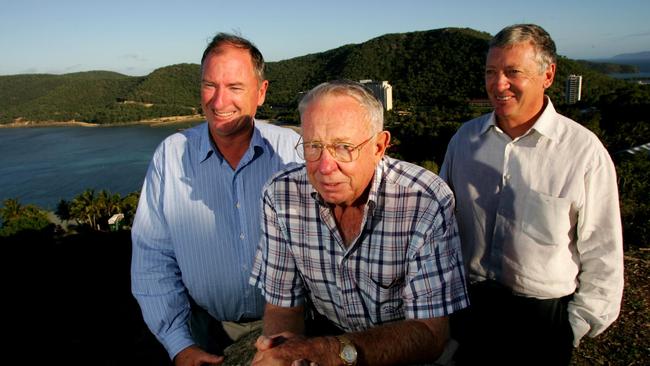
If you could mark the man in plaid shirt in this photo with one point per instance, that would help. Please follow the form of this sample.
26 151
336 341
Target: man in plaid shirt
360 257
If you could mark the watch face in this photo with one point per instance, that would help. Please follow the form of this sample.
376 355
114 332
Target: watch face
349 354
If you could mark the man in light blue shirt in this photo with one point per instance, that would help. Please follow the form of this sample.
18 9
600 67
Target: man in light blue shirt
198 220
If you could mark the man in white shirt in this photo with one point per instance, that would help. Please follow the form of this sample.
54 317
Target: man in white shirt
539 217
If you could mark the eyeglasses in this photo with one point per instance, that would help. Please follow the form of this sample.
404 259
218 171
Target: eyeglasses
344 152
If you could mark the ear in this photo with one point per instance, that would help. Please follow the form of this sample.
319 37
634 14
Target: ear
381 144
261 93
549 76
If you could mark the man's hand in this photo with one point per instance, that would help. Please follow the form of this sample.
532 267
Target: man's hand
195 356
287 348
265 343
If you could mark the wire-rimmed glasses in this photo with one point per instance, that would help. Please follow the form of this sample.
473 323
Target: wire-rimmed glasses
344 152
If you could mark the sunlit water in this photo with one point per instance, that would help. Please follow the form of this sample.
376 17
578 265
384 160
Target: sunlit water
44 165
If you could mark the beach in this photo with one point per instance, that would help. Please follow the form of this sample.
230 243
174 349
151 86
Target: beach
20 123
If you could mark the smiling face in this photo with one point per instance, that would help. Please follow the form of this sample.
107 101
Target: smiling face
341 118
515 85
230 91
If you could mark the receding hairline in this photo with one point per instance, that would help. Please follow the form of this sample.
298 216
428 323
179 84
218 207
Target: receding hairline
371 107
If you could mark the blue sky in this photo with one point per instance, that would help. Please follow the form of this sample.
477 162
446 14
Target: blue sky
135 37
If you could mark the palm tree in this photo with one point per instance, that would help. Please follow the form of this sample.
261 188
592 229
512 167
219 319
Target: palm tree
63 210
12 209
84 208
107 205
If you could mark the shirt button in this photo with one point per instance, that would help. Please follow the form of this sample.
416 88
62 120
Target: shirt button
241 236
237 204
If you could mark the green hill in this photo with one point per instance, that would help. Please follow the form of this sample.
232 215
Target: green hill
99 96
175 85
435 69
423 67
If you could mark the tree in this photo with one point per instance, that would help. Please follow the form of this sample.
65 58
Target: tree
93 210
63 210
18 219
12 209
84 209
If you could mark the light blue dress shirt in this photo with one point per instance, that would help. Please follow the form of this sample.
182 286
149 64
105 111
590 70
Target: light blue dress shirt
197 228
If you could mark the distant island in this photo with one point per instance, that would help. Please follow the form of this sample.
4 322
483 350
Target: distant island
645 55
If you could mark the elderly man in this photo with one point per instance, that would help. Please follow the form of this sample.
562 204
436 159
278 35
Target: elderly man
538 214
366 244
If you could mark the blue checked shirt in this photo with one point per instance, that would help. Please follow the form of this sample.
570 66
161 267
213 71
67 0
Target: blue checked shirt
197 228
405 264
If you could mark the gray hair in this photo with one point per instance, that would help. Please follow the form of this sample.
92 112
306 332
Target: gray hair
536 35
363 95
222 39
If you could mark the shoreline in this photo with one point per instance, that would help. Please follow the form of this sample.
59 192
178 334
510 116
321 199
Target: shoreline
154 122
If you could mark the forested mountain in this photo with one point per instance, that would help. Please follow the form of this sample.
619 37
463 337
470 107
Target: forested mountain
175 85
95 96
436 69
424 68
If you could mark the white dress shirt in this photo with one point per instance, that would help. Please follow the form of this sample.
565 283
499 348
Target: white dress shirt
540 214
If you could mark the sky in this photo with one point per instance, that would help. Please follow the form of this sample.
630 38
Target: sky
135 37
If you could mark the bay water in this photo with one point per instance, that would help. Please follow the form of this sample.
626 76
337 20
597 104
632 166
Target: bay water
44 165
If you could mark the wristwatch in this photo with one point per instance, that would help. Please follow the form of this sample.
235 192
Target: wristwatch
347 352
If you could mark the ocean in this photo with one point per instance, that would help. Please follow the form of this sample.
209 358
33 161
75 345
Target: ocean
43 165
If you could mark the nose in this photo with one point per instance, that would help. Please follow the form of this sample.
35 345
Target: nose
327 164
218 98
502 82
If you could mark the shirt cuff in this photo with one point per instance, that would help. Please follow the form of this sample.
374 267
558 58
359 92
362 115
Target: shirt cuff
580 327
177 341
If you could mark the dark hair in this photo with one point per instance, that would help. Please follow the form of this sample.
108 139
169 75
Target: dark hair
230 39
536 35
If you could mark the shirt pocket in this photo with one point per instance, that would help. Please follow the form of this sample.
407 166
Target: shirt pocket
385 301
547 219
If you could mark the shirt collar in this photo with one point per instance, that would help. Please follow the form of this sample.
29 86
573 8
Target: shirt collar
489 122
208 148
545 124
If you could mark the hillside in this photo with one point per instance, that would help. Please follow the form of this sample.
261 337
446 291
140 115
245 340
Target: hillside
99 96
435 68
423 67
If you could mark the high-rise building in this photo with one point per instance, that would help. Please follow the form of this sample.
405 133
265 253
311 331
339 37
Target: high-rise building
573 88
382 90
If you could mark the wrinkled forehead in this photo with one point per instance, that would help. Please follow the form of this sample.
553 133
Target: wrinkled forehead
335 118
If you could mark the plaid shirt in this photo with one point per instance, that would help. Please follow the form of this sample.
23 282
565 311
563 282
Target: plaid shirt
406 263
